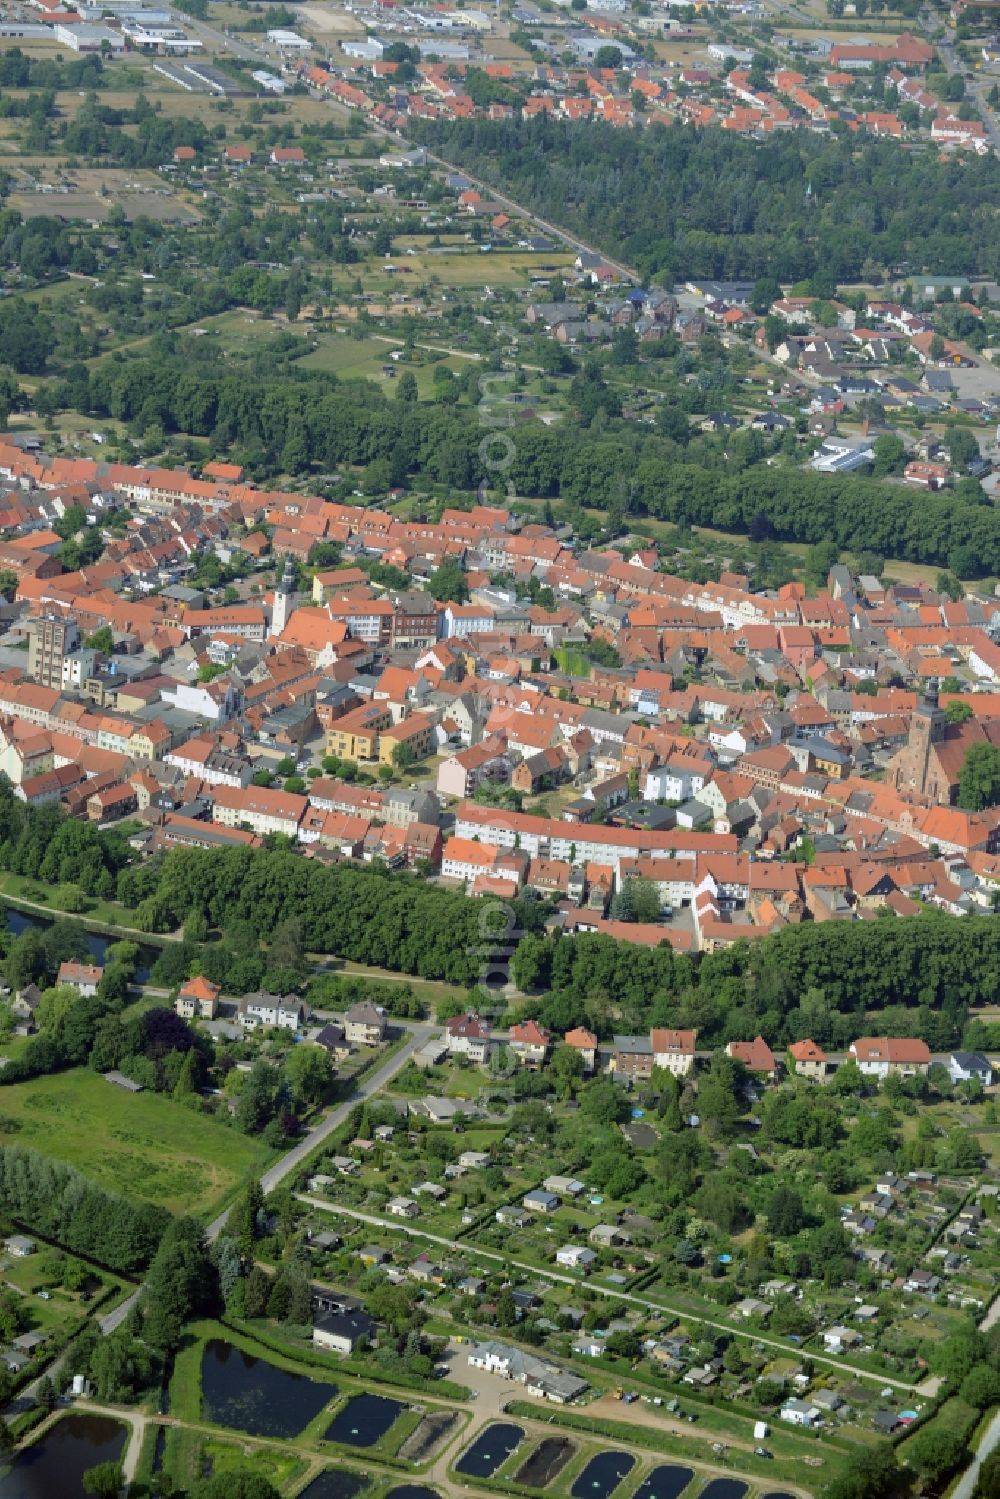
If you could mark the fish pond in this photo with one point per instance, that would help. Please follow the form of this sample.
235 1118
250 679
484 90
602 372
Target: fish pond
55 1465
337 1483
541 1466
247 1393
364 1420
602 1475
665 1482
490 1450
724 1488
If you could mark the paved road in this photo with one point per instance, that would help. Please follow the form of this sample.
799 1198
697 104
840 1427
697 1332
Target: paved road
294 1158
966 1485
975 88
574 1280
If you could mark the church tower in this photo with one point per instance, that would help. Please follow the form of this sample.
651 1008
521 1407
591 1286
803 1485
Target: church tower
927 727
283 604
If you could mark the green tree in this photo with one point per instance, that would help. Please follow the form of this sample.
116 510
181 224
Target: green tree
447 583
406 387
718 1104
105 1481
309 1073
981 1387
182 1282
890 455
604 1102
872 1473
101 640
988 1482
244 1218
567 1069
785 1213
935 1450
962 447
47 1396
979 778
240 1483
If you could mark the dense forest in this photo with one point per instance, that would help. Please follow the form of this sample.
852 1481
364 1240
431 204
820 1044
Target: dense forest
295 422
677 202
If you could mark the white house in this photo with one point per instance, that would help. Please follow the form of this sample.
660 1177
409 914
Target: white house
877 1056
364 1024
963 1066
673 1050
469 1036
341 1331
840 1339
575 1257
403 1207
798 1413
83 977
540 1378
675 781
268 1011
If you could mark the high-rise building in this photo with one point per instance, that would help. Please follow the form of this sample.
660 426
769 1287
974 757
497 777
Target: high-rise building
51 638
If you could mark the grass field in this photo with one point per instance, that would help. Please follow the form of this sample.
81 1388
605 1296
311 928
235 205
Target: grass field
139 1144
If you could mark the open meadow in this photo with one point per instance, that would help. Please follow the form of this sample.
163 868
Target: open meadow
139 1144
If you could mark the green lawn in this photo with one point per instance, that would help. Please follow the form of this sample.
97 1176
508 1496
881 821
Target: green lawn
364 359
139 1144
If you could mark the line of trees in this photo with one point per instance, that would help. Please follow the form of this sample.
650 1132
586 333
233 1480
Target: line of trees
824 981
272 908
61 1204
294 422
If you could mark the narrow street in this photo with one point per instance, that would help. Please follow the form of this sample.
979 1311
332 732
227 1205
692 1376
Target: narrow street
461 1247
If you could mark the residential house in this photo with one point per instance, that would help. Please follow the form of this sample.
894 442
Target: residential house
584 1043
963 1066
469 1036
810 1060
364 1024
198 999
632 1059
673 1050
530 1042
755 1055
268 1011
83 977
878 1056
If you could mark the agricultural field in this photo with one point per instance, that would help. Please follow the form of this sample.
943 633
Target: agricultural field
138 1144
